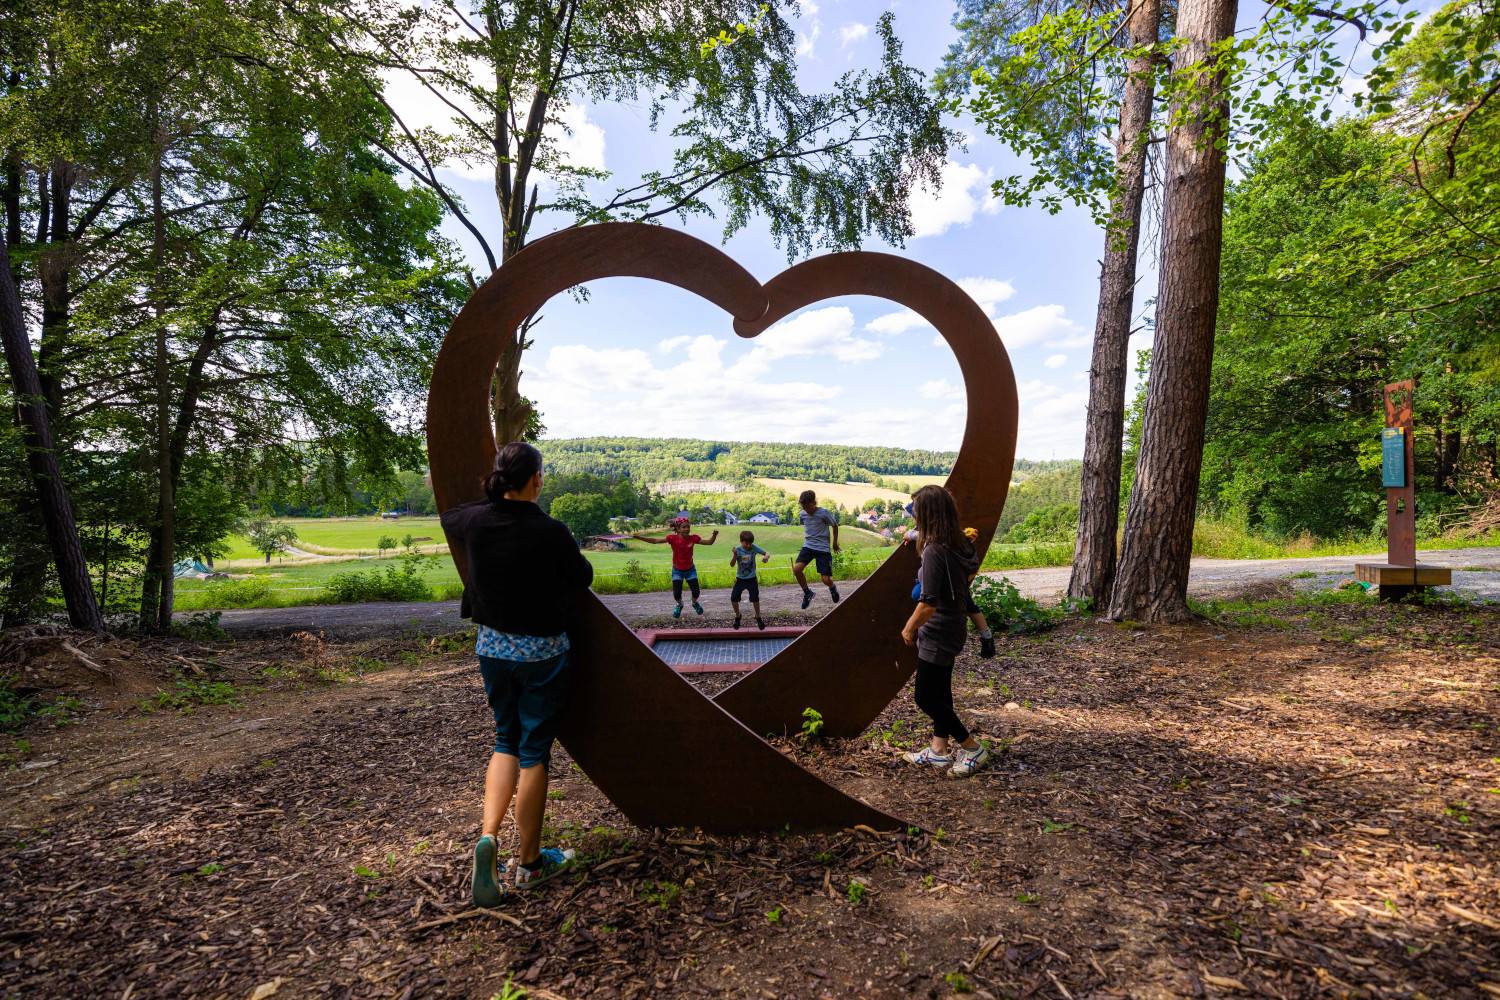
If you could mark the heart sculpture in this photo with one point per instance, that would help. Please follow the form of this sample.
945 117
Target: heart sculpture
661 752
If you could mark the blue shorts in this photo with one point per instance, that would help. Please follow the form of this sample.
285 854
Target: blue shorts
824 560
527 700
684 574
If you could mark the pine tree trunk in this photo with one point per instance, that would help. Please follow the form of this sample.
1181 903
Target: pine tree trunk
52 497
1151 584
1099 497
159 617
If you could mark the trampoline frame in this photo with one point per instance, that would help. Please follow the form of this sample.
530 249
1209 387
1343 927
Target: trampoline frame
650 636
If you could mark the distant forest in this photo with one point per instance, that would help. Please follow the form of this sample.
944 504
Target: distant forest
658 460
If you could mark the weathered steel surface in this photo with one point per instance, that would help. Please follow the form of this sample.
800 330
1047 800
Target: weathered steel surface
852 663
664 754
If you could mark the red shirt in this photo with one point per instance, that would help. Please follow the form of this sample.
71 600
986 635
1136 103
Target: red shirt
682 550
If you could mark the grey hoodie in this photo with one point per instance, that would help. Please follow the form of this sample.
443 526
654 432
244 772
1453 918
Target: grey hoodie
945 584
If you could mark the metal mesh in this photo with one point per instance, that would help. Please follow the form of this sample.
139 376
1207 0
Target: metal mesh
693 652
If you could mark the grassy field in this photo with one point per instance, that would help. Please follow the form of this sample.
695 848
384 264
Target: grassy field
344 535
851 496
294 583
917 482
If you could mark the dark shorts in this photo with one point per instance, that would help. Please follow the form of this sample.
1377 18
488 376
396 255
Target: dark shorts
527 699
743 586
824 560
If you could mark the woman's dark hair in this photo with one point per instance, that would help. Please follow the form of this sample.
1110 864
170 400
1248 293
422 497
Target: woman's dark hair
937 517
516 463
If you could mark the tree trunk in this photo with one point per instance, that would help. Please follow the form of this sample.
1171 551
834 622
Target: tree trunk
52 496
1152 581
55 269
159 617
1099 498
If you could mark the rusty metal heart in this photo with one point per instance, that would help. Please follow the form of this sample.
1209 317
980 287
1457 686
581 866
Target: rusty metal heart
661 752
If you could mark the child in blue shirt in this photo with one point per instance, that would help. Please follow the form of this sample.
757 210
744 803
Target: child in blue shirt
745 580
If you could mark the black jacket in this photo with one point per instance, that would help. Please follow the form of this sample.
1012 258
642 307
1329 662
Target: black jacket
525 570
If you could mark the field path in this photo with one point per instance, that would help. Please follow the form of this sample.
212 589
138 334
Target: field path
1477 574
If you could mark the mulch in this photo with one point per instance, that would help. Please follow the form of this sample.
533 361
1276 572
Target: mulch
1299 801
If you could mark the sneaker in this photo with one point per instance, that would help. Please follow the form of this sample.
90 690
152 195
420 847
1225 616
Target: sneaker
487 885
928 756
677 611
833 592
760 623
698 607
736 621
553 862
806 599
969 761
986 647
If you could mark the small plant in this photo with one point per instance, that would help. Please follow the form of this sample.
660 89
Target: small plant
1028 898
958 982
212 868
663 894
187 693
928 881
365 871
812 724
1050 827
421 847
204 626
267 765
567 925
510 991
824 858
635 577
856 891
1458 811
774 914
556 794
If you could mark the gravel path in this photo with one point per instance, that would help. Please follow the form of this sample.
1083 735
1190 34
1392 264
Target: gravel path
1476 575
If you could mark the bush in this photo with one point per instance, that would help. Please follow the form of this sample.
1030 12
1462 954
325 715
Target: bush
1053 523
1007 610
401 582
251 592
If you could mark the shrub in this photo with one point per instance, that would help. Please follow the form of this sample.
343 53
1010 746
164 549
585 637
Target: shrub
1007 610
1054 523
400 582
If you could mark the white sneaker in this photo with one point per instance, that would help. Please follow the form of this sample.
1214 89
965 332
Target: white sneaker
969 761
928 756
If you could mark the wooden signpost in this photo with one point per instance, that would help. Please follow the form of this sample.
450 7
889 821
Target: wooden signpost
1400 574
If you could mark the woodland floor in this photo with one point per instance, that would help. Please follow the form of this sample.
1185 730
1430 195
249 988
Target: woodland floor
1293 797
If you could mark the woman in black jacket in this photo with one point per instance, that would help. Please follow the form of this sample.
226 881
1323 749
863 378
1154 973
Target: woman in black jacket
525 571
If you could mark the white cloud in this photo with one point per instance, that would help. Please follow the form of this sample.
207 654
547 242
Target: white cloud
1055 360
827 331
987 292
807 39
1047 324
963 192
940 388
851 33
673 343
1052 420
721 387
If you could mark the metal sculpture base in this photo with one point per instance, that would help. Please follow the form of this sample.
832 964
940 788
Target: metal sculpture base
661 752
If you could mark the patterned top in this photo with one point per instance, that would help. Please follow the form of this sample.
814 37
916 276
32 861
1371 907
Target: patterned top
519 648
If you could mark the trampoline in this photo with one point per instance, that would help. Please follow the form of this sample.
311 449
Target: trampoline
717 650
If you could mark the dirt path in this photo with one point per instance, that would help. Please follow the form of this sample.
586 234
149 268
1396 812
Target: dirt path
1303 800
1478 574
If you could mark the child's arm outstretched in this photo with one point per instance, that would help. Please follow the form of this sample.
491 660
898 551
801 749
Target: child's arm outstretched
649 540
710 539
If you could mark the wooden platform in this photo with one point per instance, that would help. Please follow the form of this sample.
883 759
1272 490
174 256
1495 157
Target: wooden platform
1387 575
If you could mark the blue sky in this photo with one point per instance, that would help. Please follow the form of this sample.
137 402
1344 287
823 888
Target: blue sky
645 359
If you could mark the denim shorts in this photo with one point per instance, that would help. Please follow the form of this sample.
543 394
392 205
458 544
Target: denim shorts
691 573
527 699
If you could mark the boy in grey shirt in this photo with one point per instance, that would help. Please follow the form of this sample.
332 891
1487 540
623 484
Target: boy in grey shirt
817 524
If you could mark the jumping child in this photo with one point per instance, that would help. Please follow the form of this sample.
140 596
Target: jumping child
936 627
745 580
682 543
816 524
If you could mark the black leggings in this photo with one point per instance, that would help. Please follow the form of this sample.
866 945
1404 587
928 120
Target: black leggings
692 585
935 698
